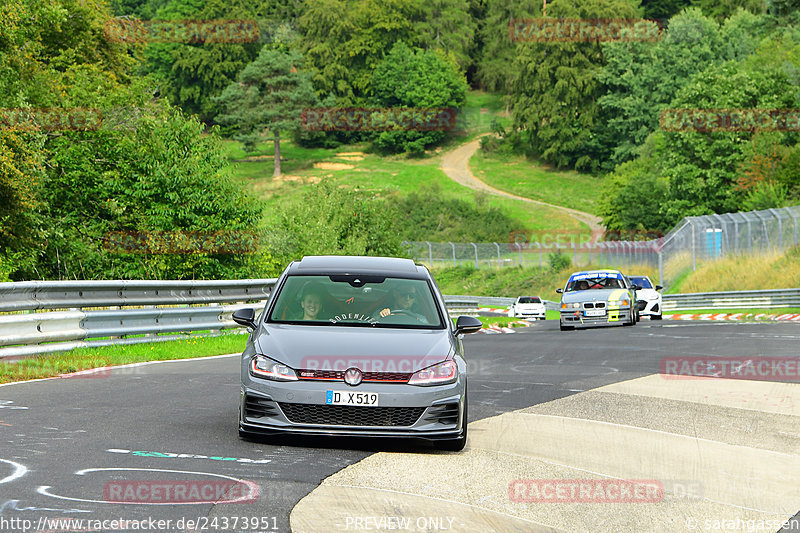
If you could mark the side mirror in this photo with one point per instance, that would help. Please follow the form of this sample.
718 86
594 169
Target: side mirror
560 291
245 317
467 324
659 287
637 288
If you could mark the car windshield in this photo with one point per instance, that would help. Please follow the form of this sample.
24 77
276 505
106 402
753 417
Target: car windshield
353 300
530 300
584 283
642 282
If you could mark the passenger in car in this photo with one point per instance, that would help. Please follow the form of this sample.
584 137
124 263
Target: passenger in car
311 301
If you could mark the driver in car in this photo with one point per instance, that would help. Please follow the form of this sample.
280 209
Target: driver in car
404 298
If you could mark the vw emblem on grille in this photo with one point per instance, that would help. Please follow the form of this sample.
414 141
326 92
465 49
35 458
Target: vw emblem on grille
352 376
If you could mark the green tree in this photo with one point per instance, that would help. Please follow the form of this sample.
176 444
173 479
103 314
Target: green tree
641 78
448 26
721 9
158 175
269 95
496 62
330 220
430 214
636 193
663 9
554 89
343 41
191 75
421 79
783 8
703 168
699 172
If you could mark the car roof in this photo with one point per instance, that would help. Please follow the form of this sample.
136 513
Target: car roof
349 264
593 271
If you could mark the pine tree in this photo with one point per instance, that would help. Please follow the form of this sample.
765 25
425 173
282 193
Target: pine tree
269 95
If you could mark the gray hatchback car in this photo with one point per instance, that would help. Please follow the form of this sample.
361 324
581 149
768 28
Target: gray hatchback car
355 346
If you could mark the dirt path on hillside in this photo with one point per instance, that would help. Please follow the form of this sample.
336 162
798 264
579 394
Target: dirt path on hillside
455 164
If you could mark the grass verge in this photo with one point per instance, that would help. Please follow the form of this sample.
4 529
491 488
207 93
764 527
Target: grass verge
501 322
52 365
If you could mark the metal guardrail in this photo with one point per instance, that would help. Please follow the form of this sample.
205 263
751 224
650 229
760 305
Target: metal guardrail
35 295
768 299
45 317
153 310
491 301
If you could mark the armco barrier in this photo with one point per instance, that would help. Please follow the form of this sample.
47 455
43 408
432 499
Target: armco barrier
35 295
98 313
52 316
767 299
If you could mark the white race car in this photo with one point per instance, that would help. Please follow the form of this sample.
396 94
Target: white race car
527 307
648 297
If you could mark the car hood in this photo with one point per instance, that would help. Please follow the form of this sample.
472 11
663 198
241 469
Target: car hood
647 294
600 295
339 347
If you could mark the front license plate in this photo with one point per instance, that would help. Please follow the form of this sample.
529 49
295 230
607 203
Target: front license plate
334 397
594 312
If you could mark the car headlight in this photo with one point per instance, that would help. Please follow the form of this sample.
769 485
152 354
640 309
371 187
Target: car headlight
438 374
575 305
624 302
264 367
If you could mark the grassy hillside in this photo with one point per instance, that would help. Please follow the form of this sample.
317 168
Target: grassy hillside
518 175
398 176
745 272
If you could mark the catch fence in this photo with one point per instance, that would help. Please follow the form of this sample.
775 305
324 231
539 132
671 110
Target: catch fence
694 240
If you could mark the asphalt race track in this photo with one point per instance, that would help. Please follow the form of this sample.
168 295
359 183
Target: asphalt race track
66 443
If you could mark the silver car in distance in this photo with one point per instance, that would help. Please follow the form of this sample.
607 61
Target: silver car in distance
355 346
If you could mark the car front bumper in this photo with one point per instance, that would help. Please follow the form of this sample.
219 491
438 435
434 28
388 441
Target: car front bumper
529 314
611 318
403 411
652 307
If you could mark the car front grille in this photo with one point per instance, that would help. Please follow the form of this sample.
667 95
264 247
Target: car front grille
594 305
338 375
351 415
